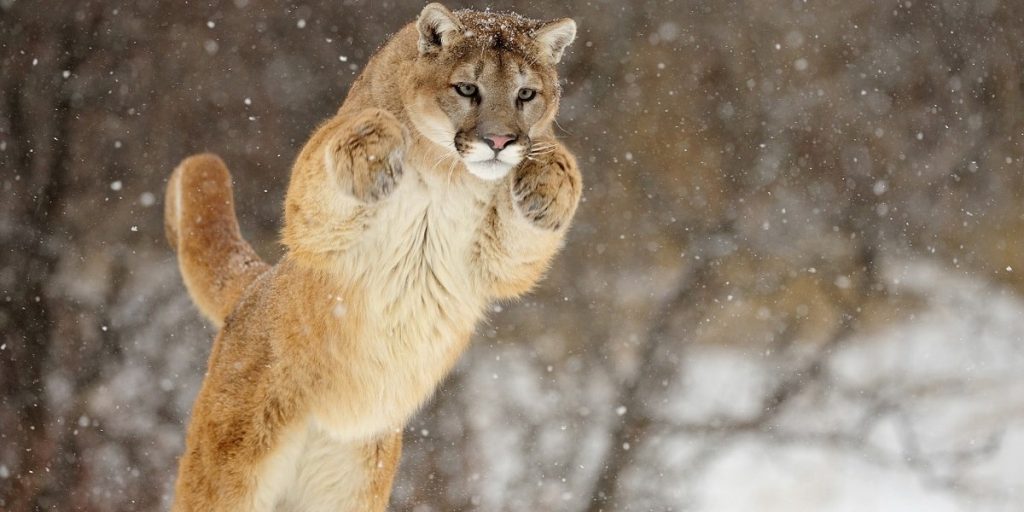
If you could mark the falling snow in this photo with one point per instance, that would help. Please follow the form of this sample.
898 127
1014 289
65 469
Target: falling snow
792 285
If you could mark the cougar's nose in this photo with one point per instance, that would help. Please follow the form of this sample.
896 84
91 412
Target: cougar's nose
498 142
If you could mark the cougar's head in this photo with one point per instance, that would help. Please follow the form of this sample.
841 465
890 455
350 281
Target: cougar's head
485 84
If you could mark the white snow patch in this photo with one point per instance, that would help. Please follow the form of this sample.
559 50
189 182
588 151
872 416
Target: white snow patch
753 475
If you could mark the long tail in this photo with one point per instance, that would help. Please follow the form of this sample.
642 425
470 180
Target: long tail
216 263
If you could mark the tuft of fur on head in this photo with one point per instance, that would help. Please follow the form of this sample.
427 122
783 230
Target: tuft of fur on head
485 76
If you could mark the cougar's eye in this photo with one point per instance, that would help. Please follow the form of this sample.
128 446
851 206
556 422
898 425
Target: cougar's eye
465 89
527 94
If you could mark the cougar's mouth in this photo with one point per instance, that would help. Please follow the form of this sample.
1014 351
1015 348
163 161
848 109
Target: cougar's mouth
486 163
493 169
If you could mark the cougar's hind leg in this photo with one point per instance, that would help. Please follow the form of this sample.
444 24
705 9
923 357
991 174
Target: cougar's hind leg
345 475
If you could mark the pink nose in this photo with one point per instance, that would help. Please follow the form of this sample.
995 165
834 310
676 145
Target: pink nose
498 142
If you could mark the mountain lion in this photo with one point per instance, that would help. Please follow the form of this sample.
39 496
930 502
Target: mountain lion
437 188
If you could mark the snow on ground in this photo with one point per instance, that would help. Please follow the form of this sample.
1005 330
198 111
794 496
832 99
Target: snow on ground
923 414
926 414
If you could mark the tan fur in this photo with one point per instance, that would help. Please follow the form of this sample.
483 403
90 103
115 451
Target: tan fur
215 261
394 250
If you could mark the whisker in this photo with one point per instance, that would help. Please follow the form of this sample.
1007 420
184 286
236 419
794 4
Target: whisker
444 156
451 171
560 127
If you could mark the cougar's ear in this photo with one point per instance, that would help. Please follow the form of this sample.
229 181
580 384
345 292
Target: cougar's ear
555 36
437 27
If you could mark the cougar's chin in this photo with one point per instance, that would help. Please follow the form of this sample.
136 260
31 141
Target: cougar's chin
493 169
482 162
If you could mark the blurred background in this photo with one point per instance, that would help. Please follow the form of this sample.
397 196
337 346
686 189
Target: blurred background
796 281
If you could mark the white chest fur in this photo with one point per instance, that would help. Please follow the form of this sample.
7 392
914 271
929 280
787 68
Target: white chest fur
414 261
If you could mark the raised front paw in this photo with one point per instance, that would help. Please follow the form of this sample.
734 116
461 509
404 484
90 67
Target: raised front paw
367 154
547 188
